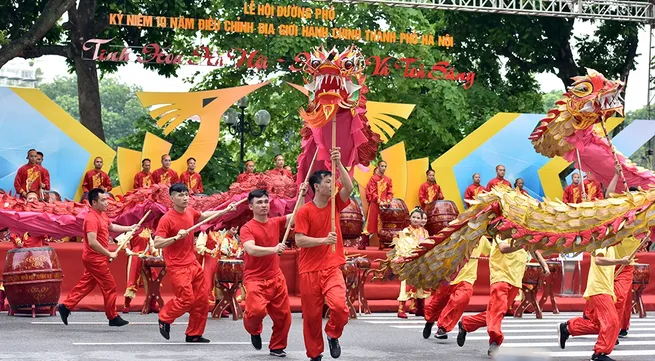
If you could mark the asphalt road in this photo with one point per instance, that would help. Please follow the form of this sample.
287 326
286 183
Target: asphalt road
371 337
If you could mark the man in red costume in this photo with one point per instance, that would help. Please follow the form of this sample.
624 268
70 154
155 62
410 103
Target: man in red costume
573 192
379 193
95 258
143 179
280 169
262 277
593 188
165 175
249 170
30 177
500 178
27 240
320 277
430 191
184 270
46 175
96 178
474 189
190 178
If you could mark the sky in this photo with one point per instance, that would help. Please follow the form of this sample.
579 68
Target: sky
132 73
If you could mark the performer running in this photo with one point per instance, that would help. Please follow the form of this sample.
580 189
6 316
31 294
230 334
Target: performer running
449 302
500 178
96 178
262 277
182 266
30 177
143 179
600 316
190 178
430 191
506 267
95 258
409 239
165 175
321 280
474 189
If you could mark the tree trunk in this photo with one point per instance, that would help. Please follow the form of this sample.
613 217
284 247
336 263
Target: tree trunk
89 96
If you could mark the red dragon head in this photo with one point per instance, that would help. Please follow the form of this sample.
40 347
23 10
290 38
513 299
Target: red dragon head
336 80
589 100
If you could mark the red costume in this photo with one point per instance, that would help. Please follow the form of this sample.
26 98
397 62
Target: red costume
46 178
492 183
185 273
193 181
96 266
472 191
279 172
164 176
573 192
428 193
95 179
29 178
138 244
28 241
143 180
243 177
321 280
378 191
266 285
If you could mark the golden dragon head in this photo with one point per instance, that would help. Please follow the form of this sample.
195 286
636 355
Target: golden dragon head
335 81
589 100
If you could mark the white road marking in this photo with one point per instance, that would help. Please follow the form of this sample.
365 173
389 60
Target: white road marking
159 343
574 344
100 323
588 353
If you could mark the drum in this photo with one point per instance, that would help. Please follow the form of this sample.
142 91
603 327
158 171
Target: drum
351 220
533 274
440 213
555 279
350 273
394 219
642 274
150 261
362 263
229 270
32 277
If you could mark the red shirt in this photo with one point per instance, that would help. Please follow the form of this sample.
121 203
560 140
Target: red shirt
29 178
142 180
193 181
265 235
316 222
492 183
99 223
28 240
279 172
429 193
96 179
165 177
181 253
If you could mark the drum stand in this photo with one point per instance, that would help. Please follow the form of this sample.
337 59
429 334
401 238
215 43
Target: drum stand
228 301
50 310
548 285
529 299
152 287
637 302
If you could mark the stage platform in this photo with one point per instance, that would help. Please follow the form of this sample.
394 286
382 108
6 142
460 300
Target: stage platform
381 295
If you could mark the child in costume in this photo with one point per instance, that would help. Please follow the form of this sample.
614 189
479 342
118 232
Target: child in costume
405 241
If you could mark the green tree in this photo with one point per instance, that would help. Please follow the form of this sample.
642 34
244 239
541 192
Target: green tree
550 98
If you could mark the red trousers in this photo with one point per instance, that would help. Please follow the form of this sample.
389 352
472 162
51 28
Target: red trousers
268 296
623 292
501 297
190 296
316 288
96 273
602 320
373 218
209 267
448 305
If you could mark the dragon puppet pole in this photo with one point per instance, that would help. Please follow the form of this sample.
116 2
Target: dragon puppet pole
632 256
334 179
584 191
131 234
295 209
616 158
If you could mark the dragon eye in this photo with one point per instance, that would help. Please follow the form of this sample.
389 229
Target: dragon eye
582 89
348 64
316 63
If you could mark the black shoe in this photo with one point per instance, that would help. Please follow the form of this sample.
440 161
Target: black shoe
64 312
278 353
617 342
563 334
493 348
335 349
317 358
427 330
461 335
117 322
196 339
256 341
601 357
441 334
165 329
623 333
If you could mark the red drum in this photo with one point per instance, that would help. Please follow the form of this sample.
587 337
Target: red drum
32 277
351 222
394 219
440 213
229 270
642 274
350 274
150 261
533 274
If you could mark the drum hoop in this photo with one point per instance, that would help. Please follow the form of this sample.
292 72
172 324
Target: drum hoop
18 250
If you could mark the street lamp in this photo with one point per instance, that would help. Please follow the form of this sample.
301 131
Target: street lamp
237 124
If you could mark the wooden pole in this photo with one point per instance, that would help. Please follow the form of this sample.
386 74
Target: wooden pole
334 179
584 191
295 209
616 158
213 217
131 234
643 241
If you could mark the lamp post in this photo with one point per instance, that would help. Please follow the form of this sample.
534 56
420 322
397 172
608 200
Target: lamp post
237 124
